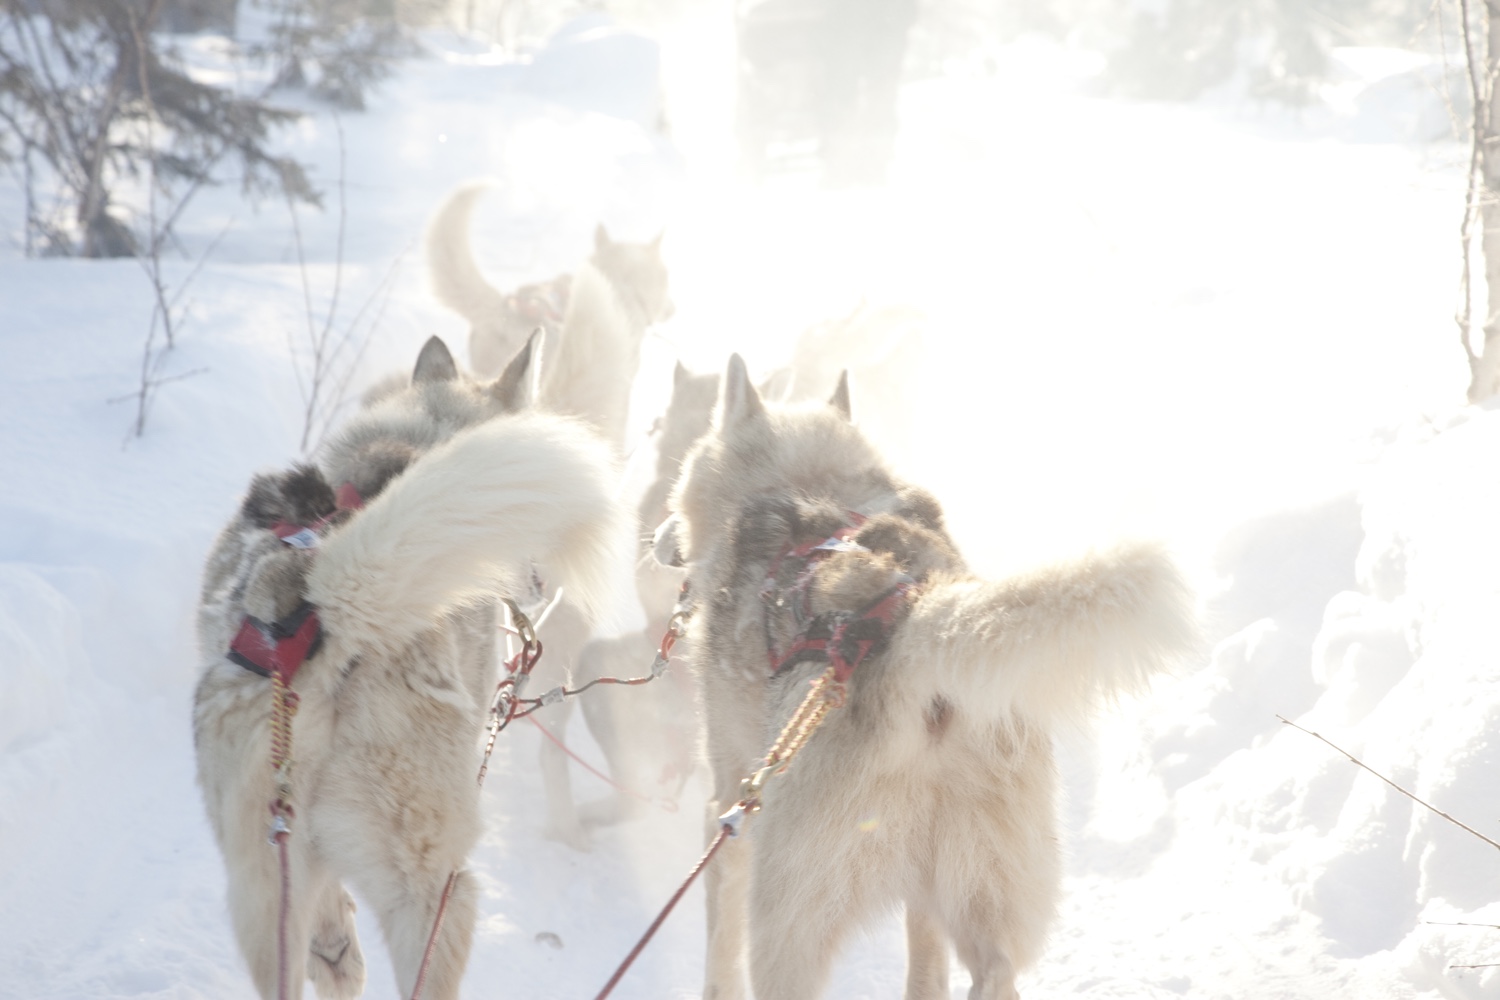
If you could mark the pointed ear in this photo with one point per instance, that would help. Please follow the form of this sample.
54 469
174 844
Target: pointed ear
679 376
840 398
434 363
738 400
601 238
516 388
656 243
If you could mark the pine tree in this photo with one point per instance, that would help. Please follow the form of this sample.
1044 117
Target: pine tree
90 104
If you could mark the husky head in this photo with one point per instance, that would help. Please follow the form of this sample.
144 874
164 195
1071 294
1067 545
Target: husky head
753 452
402 418
638 274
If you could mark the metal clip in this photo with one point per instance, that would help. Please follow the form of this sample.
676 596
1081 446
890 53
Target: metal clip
553 697
659 666
734 819
278 827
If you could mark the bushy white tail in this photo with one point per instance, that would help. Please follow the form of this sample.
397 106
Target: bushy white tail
1053 643
455 277
588 372
467 518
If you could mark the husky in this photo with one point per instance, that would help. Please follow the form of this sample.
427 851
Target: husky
593 353
933 785
498 323
426 505
649 734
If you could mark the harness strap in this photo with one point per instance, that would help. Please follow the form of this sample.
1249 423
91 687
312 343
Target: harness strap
845 639
282 646
278 647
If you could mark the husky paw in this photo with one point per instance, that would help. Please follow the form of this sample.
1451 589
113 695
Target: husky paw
336 965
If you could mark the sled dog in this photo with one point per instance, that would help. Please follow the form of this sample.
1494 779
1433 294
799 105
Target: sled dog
593 353
649 734
499 323
933 785
428 504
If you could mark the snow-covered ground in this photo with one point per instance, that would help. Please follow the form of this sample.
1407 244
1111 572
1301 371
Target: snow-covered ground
1223 324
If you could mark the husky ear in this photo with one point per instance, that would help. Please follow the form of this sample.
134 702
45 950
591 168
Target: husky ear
602 241
680 374
434 363
516 388
656 243
840 398
738 400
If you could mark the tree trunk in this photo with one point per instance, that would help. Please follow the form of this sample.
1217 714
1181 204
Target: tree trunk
1485 366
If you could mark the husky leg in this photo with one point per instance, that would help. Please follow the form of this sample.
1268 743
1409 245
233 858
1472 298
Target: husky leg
407 912
800 906
726 883
979 941
557 779
563 636
336 965
255 910
926 956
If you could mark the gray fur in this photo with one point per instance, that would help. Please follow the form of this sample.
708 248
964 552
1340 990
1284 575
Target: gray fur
933 786
461 497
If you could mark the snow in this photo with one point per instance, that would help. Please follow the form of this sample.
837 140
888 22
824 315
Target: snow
1225 324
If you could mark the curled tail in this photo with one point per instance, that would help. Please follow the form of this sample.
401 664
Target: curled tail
455 277
1053 643
469 518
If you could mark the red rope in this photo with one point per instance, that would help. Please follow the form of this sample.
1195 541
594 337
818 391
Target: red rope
437 925
286 895
724 834
666 805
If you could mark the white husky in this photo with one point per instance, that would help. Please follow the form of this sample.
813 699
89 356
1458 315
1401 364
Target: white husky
461 496
933 786
593 352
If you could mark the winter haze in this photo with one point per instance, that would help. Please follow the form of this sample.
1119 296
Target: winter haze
1212 308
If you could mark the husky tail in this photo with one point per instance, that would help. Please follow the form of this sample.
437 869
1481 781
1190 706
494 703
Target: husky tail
455 277
468 518
1053 643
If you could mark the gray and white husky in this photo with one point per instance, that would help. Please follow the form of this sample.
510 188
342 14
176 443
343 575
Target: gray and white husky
458 493
933 786
593 353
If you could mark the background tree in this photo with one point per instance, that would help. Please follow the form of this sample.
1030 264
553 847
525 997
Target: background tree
90 105
1481 34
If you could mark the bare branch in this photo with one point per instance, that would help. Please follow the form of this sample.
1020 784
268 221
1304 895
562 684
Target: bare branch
1397 787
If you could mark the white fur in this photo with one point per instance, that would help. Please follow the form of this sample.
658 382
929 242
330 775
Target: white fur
588 372
472 512
386 739
452 272
933 787
1054 643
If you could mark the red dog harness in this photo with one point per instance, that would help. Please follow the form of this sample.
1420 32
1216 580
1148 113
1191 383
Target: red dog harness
282 646
844 639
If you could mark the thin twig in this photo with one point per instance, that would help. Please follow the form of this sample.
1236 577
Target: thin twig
1397 787
1459 923
127 397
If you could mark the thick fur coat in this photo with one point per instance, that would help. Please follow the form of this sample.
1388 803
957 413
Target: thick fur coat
499 323
463 494
933 786
591 359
